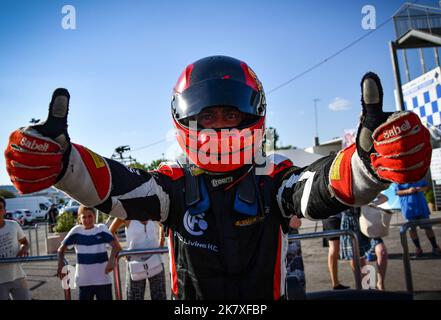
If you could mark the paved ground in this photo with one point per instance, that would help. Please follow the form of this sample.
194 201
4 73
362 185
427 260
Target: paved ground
426 271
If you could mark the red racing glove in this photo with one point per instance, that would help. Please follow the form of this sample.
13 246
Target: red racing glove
35 155
403 150
394 146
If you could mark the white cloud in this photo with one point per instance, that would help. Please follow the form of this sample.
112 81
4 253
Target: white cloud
339 104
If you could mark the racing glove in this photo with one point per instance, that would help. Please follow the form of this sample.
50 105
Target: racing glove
394 146
390 147
35 154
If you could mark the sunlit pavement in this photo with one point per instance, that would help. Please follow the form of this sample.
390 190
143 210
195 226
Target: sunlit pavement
426 271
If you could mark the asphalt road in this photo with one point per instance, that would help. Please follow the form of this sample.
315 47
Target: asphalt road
426 271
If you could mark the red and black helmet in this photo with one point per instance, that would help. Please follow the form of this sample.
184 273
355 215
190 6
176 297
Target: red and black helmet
219 81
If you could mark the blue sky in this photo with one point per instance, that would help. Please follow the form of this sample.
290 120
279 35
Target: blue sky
122 61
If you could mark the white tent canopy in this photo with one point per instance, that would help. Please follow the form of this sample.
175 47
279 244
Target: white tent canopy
299 157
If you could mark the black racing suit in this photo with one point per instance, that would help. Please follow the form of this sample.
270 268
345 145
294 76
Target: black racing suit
227 233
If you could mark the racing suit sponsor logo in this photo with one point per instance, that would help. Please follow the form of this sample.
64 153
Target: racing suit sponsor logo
195 224
33 145
97 160
217 182
197 244
335 169
249 221
396 130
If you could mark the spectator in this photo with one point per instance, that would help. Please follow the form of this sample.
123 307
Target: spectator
53 213
414 207
350 221
378 250
294 263
333 223
13 243
93 264
381 256
143 235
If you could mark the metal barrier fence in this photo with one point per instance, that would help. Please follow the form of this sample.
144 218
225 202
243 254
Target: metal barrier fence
36 227
31 259
46 226
125 253
164 250
336 233
404 244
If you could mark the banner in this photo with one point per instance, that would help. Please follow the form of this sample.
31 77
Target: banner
423 96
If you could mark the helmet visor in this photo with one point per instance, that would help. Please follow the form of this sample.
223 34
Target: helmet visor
217 92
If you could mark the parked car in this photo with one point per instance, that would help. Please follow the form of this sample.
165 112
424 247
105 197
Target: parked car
72 203
8 215
27 215
16 216
38 205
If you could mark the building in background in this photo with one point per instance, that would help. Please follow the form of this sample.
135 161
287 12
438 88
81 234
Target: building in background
326 148
52 193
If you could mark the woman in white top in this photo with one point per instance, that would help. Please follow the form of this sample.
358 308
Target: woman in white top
143 235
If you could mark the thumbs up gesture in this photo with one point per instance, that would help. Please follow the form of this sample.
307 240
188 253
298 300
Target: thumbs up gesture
395 147
34 155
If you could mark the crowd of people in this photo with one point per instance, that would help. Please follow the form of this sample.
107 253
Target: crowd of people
371 246
93 267
93 263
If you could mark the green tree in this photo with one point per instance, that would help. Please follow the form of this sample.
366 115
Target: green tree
272 139
6 194
430 197
285 147
138 165
148 167
65 222
102 217
272 136
155 164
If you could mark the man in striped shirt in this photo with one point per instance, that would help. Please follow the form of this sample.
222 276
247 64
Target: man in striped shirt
93 265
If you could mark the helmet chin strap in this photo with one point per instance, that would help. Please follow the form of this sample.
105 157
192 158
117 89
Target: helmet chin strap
239 179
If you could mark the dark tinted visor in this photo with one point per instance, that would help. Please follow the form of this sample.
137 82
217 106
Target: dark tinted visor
217 92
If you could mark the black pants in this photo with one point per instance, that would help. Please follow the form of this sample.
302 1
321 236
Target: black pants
102 292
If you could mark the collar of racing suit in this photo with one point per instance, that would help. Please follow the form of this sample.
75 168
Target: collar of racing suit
198 185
